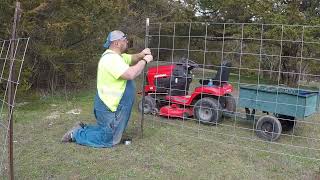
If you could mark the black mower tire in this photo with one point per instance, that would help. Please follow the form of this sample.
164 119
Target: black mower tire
268 128
149 105
208 111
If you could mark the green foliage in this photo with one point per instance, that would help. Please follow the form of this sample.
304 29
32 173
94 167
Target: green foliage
300 12
6 14
67 35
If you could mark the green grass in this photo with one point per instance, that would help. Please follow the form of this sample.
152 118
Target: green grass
170 149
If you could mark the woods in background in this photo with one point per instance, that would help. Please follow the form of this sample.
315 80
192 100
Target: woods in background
67 35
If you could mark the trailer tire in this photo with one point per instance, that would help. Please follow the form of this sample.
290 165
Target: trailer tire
268 128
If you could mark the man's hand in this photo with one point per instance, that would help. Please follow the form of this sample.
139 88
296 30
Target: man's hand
148 58
139 56
146 51
136 69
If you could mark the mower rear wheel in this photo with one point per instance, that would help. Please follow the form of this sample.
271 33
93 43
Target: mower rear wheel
149 105
208 111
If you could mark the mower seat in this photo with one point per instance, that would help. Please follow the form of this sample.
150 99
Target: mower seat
222 75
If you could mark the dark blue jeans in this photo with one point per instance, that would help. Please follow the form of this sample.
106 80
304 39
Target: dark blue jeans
110 125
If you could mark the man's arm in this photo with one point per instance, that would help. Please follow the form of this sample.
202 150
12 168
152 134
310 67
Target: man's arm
139 56
133 71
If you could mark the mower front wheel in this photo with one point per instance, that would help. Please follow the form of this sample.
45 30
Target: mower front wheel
149 105
208 111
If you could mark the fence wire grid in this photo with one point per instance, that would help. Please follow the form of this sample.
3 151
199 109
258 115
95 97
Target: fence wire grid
15 60
273 104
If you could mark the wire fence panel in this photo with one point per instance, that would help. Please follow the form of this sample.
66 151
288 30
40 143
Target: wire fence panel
9 66
254 86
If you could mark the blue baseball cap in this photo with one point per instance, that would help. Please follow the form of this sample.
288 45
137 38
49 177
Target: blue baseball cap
113 36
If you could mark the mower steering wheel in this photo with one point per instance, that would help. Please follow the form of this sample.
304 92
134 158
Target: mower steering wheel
191 63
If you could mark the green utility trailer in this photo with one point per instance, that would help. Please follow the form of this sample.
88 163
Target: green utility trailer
282 107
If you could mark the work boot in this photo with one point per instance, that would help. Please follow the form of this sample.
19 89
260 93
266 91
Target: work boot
67 137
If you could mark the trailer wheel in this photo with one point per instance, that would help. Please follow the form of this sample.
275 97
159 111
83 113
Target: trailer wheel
268 128
149 105
208 111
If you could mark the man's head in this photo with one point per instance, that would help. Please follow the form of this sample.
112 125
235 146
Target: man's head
116 40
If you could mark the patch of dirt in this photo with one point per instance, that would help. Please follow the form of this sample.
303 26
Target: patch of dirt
54 115
74 111
22 104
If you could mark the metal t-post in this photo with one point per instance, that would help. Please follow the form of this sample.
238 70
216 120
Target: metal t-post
146 40
11 85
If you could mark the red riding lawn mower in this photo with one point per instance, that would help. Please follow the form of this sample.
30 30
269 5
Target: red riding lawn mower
166 93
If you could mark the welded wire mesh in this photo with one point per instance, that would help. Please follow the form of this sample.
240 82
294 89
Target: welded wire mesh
10 65
274 75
